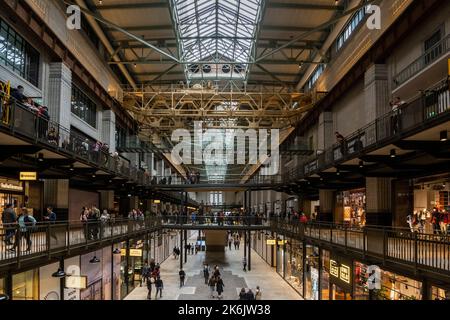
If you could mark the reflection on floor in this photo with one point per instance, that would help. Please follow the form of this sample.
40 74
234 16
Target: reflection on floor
230 262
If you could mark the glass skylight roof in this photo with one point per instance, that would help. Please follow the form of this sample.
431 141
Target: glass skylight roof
212 33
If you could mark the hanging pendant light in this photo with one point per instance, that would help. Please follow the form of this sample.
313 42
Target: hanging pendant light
94 260
59 274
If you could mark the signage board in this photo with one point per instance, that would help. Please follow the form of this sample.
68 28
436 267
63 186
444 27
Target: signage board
28 176
133 252
271 242
76 282
341 272
156 201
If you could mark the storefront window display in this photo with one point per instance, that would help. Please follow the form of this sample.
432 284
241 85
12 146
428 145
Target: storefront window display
135 263
25 285
281 262
294 265
361 291
325 279
439 293
351 207
393 286
11 192
312 273
2 286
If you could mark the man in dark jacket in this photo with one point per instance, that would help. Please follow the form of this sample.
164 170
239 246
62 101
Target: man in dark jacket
250 295
9 218
51 218
182 277
159 287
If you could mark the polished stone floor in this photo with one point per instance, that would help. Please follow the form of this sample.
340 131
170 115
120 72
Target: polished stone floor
230 263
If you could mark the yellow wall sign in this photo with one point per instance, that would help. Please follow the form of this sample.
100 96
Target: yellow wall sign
340 271
28 176
133 252
270 242
282 242
156 201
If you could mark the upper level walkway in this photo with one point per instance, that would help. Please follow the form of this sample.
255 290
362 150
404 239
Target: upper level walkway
419 252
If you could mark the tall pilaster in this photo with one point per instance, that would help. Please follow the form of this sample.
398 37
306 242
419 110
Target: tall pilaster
109 129
56 195
376 92
107 199
326 198
325 137
60 93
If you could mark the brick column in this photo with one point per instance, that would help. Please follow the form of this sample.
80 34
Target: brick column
376 92
56 194
109 129
378 201
326 199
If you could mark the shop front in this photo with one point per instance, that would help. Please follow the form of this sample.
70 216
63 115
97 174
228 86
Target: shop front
11 192
340 271
311 286
25 285
427 196
350 208
392 286
294 265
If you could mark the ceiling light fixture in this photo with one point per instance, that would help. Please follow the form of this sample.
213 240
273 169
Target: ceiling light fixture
40 157
443 136
393 153
338 173
116 251
4 297
361 164
71 168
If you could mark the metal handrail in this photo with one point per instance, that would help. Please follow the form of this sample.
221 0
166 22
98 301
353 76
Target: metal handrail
428 57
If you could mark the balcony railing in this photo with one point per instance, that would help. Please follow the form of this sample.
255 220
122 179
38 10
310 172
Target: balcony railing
395 245
19 119
432 105
227 179
426 59
429 252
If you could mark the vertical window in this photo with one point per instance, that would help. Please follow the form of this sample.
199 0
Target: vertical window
315 76
18 55
433 47
83 107
350 28
216 198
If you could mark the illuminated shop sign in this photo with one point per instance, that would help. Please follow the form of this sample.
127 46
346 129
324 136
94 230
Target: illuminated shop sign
342 271
271 242
156 201
9 186
28 176
133 252
76 282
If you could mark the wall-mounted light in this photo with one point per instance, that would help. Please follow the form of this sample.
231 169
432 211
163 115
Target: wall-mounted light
393 153
59 274
443 136
94 260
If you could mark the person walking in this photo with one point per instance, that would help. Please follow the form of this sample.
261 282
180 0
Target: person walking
51 218
219 287
206 273
159 285
242 294
230 242
212 286
26 225
145 273
192 248
150 282
9 219
244 263
182 277
258 293
250 295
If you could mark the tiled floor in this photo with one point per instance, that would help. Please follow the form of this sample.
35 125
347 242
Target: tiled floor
230 262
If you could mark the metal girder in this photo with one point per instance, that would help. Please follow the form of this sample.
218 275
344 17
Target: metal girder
166 108
151 5
166 61
323 26
303 6
120 29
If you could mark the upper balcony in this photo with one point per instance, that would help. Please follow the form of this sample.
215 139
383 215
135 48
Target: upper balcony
427 115
425 71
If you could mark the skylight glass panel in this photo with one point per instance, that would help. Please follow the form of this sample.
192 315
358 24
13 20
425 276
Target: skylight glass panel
216 33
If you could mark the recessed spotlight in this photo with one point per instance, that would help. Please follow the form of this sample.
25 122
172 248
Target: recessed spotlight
393 153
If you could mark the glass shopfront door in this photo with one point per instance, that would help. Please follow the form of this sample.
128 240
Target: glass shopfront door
338 293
